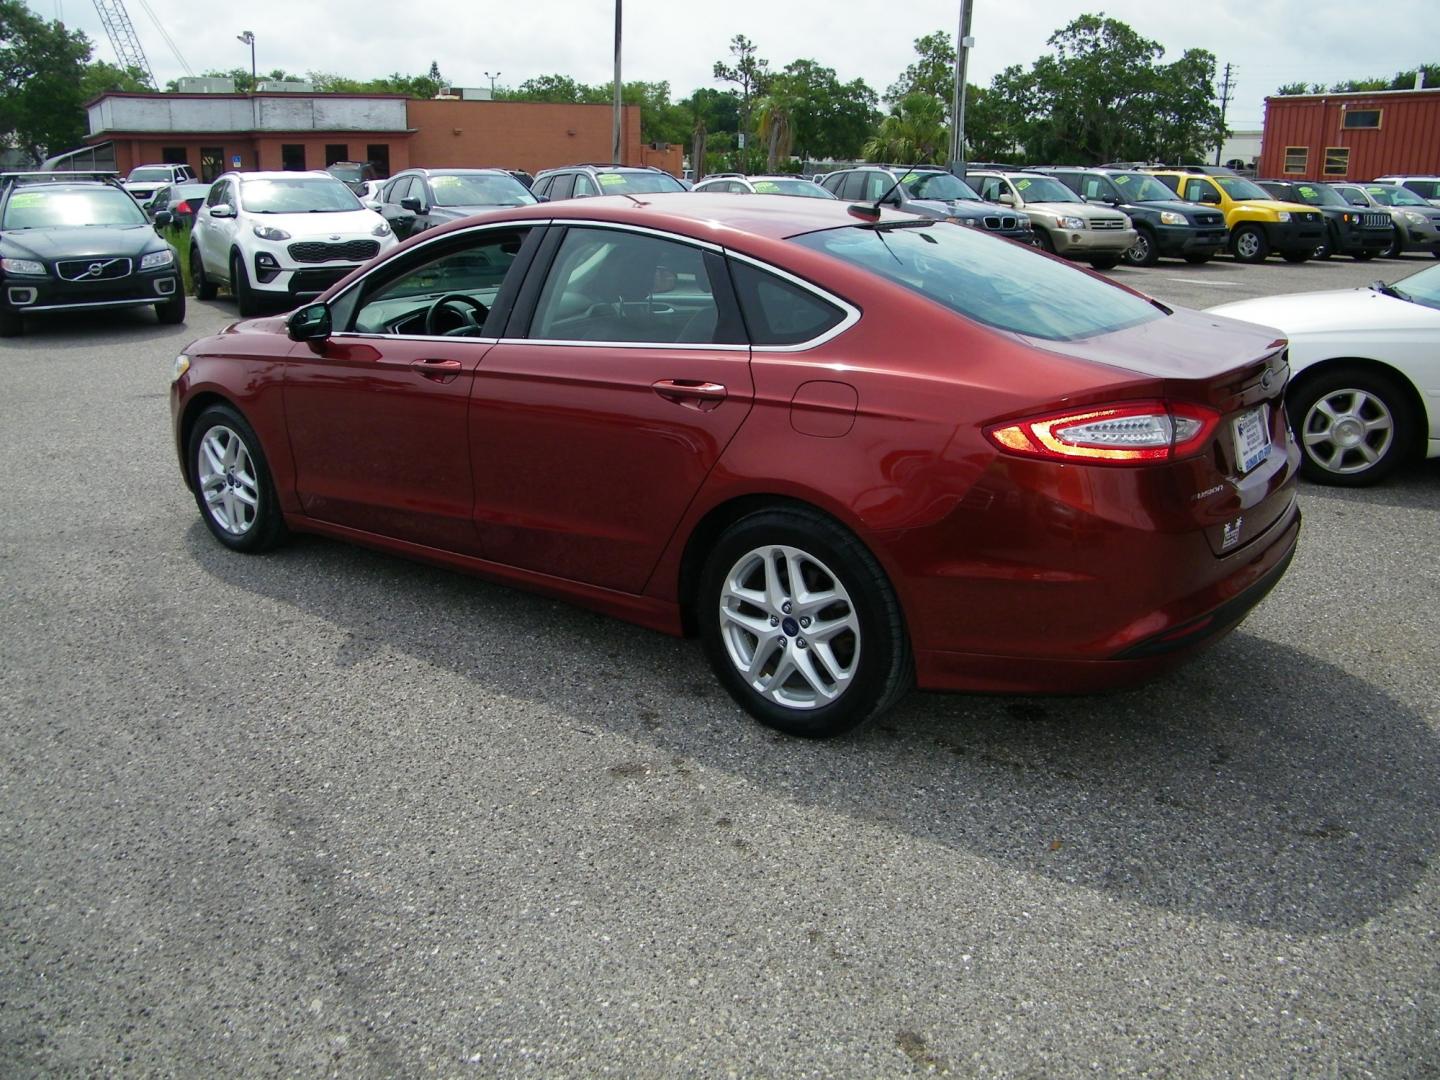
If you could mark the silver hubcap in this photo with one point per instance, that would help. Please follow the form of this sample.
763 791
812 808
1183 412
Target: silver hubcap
227 480
1247 244
1348 431
1140 251
790 627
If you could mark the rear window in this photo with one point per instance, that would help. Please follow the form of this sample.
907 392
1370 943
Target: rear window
987 279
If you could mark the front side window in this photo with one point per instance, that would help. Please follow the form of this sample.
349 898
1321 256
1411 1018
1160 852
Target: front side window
1001 285
28 209
610 285
398 189
584 188
564 185
1196 190
302 195
470 275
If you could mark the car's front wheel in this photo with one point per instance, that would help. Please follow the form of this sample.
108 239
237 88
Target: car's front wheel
801 624
1144 251
1353 425
231 481
172 311
245 298
11 325
1248 244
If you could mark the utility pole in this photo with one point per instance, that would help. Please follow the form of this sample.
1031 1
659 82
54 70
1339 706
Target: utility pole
963 44
615 124
492 79
1225 87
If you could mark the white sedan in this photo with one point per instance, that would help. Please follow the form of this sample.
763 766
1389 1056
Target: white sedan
1364 390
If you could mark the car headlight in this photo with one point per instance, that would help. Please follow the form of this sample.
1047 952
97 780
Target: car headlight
1349 218
383 229
23 266
1170 217
1410 216
182 365
157 258
1071 222
972 222
269 232
1283 215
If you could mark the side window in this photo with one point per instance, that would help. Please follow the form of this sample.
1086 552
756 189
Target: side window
1095 188
584 186
217 193
1173 183
1194 190
832 182
991 189
610 285
876 184
853 186
161 199
541 186
779 312
402 189
475 270
564 185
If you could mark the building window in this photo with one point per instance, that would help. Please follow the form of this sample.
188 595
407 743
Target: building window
292 157
378 154
1337 160
212 163
1362 118
1297 159
336 152
174 155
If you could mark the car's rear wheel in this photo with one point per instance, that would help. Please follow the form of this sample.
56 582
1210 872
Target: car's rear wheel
1365 256
1144 251
231 481
1353 425
801 624
11 325
1248 244
245 298
205 289
172 312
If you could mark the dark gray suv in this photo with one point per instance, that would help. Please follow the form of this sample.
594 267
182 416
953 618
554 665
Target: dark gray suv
584 181
929 191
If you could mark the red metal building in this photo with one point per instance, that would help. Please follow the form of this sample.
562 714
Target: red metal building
1351 136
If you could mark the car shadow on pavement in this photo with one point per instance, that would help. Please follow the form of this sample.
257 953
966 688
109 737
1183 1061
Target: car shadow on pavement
1259 785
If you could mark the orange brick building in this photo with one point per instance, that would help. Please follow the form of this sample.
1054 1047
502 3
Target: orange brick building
213 133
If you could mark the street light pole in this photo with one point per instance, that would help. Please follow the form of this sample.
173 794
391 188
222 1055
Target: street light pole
248 38
963 44
492 79
615 123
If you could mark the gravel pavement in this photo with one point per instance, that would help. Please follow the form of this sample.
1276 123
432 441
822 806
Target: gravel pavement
326 812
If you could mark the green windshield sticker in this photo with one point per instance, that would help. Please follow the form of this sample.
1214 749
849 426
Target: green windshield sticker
1308 192
27 198
1121 181
766 186
1022 184
610 179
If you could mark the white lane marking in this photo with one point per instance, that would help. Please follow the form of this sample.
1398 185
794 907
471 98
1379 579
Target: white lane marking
1201 281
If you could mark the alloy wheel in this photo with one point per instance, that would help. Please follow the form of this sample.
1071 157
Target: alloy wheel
226 475
1348 431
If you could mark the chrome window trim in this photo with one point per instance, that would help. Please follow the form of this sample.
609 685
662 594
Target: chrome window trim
852 313
668 346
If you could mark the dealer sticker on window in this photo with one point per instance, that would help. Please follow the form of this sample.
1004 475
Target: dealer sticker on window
1252 437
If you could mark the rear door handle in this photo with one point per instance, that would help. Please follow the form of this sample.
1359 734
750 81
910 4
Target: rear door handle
691 393
437 370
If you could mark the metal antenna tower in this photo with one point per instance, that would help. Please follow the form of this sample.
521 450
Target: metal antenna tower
123 37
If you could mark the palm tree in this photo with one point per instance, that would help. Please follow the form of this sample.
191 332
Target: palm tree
913 134
773 124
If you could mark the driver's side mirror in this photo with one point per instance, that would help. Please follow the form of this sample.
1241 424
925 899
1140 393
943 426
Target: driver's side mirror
1210 195
894 199
309 323
1005 199
221 210
163 218
412 204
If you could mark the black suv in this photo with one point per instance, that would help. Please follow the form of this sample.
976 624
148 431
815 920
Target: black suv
77 241
1362 234
583 181
929 191
1165 225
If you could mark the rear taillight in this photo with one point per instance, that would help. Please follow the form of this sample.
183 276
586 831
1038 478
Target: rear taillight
1135 432
182 208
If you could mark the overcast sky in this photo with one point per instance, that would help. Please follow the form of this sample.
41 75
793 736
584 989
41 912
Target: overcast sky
1269 43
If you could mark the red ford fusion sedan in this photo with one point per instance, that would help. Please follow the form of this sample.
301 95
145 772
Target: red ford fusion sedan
852 454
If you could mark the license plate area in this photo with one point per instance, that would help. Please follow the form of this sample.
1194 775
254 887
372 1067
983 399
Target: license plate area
1251 433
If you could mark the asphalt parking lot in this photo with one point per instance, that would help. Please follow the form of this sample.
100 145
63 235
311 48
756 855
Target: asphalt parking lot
326 812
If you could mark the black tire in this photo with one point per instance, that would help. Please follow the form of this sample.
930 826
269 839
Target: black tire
1296 256
1364 256
877 652
1248 244
1396 248
1043 241
172 312
11 324
1105 262
1197 260
205 289
245 298
1145 251
1360 396
1326 247
265 527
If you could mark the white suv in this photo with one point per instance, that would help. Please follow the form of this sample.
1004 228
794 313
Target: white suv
284 235
1426 185
145 180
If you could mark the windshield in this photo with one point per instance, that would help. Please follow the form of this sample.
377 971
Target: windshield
65 209
1141 187
637 183
1237 187
1393 195
1319 195
1043 189
150 175
803 188
479 189
303 195
1422 288
991 281
938 185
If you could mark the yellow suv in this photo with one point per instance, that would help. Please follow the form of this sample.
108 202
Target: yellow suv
1258 223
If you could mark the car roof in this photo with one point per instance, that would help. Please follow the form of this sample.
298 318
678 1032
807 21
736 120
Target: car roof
489 171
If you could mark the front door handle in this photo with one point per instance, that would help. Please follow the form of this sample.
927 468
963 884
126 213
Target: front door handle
437 370
691 393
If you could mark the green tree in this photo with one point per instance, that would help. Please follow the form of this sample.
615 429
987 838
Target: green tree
100 77
913 134
42 68
828 118
748 72
720 109
933 71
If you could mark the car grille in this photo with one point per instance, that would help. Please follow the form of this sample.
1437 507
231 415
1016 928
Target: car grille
316 251
1376 221
1209 219
317 281
996 221
93 269
1107 223
1310 217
